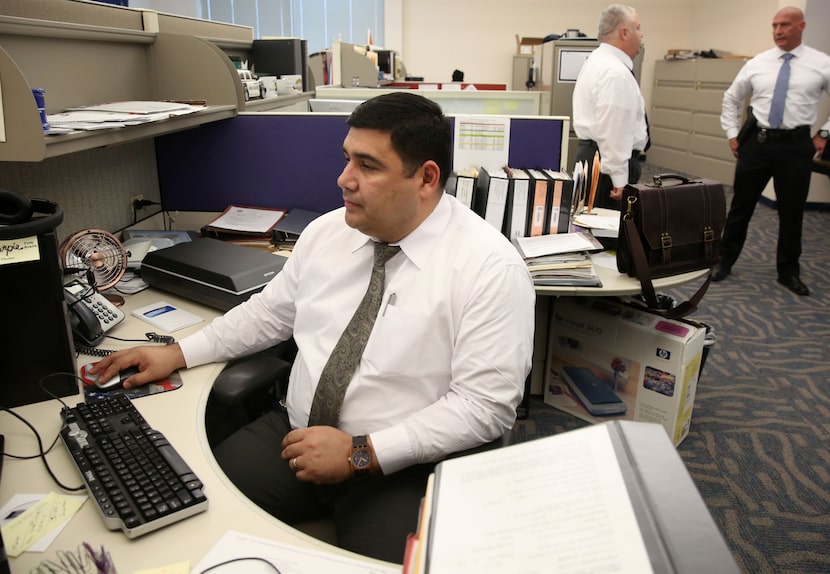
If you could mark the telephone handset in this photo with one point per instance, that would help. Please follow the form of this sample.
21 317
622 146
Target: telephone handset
90 313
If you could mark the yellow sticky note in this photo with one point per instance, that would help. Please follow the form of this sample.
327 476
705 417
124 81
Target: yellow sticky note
178 568
44 516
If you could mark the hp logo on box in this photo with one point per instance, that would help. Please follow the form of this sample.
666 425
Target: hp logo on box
663 354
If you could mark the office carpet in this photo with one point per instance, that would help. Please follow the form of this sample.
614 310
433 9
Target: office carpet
759 445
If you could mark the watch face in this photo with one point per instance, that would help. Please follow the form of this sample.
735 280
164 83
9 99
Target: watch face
361 458
823 134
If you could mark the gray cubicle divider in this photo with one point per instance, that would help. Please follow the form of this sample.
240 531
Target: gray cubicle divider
289 161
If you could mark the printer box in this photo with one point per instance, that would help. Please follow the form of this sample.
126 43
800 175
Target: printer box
643 363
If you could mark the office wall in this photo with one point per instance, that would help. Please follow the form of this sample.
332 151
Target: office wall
478 36
93 187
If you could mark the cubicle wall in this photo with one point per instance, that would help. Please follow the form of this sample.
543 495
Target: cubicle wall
292 160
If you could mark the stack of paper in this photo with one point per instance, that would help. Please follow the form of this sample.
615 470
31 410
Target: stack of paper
560 259
557 244
117 115
566 269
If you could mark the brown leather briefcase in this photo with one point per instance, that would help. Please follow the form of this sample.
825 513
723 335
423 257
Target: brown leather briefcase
670 229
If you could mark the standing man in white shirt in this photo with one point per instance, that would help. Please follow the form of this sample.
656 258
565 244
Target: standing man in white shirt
608 109
445 362
775 141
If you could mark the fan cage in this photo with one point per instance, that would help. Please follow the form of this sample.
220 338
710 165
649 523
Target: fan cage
97 253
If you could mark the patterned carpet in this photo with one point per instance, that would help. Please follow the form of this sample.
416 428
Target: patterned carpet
759 444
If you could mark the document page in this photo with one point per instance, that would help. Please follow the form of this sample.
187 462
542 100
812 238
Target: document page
557 505
247 219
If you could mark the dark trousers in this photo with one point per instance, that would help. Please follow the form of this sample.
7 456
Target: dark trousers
786 157
585 152
372 515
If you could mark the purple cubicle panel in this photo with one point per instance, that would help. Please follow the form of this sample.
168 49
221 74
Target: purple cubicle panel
288 161
279 161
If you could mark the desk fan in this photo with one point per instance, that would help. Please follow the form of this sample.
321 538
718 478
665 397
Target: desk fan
99 255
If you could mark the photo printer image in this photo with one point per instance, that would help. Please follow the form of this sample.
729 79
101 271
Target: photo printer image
210 271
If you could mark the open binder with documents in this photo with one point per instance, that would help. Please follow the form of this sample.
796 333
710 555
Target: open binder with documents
613 497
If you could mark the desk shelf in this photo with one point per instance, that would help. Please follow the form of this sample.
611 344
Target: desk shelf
81 64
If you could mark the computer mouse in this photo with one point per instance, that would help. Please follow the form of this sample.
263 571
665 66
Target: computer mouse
112 383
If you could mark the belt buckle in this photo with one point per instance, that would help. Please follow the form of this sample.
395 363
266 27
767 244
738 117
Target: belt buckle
762 135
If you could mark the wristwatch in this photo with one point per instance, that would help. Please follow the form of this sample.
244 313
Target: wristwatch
823 134
360 457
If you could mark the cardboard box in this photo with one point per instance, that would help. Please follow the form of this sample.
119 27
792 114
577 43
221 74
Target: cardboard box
650 362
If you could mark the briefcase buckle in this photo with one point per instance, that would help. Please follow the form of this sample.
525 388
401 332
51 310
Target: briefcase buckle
629 210
665 240
708 234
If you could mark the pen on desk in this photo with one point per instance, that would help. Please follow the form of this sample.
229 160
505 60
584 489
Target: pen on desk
389 301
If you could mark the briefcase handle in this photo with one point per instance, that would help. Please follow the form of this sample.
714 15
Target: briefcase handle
660 177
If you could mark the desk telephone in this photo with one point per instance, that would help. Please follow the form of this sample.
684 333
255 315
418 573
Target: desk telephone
90 313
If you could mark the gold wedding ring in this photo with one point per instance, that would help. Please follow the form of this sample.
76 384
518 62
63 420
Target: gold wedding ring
294 463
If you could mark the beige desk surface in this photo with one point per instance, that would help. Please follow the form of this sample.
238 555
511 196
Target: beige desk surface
179 415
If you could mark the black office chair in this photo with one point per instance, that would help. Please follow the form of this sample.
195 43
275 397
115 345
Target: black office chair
247 388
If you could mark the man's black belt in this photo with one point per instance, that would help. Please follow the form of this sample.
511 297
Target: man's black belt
769 134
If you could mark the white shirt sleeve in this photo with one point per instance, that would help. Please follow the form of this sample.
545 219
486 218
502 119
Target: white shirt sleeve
733 97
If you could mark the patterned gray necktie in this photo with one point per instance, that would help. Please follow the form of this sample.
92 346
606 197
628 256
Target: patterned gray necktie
336 375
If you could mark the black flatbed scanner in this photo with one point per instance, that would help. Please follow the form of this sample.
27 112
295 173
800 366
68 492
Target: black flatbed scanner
209 271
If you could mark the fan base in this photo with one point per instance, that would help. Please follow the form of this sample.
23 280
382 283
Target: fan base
114 298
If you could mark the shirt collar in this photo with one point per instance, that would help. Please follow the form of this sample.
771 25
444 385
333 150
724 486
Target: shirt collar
617 53
797 51
419 243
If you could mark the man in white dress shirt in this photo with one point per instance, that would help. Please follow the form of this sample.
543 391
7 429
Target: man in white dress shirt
445 363
775 147
608 108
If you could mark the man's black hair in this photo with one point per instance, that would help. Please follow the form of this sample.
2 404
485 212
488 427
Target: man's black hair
417 128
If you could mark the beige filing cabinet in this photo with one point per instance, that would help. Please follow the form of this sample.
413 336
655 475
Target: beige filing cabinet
685 117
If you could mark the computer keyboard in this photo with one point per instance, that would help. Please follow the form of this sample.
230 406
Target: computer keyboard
136 478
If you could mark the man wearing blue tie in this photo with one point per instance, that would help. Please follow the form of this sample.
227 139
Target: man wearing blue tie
784 85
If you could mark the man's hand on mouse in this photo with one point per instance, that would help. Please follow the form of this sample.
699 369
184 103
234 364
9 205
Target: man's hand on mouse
154 364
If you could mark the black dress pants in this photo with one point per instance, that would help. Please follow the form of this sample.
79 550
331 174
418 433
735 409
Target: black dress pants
372 514
585 152
786 158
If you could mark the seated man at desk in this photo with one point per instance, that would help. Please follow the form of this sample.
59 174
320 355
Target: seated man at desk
372 406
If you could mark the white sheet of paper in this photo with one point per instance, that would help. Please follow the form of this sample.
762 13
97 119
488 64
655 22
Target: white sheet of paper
481 141
553 244
248 219
599 218
558 504
605 259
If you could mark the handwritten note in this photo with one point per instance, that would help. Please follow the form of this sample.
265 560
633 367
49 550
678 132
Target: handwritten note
39 520
19 250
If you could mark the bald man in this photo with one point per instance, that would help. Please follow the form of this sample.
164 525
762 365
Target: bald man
773 144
